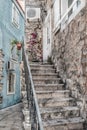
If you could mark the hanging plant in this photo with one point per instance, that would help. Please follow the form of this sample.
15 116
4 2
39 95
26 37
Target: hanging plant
17 43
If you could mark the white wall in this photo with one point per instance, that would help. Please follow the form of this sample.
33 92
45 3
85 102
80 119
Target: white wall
64 6
47 37
56 9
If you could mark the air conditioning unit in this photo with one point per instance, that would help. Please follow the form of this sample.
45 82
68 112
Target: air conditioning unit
32 13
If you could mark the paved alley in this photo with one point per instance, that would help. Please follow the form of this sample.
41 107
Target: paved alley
11 118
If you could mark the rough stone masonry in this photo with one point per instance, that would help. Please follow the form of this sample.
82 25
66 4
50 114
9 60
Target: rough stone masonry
69 55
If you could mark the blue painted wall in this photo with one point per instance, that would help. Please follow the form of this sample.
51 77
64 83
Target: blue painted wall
8 31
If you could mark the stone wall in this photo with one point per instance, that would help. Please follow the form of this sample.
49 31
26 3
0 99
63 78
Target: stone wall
34 43
35 49
69 55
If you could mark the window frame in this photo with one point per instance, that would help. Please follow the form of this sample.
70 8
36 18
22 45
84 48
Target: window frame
15 16
76 9
56 18
63 24
12 65
12 92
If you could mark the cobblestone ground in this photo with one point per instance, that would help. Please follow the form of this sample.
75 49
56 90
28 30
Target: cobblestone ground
12 118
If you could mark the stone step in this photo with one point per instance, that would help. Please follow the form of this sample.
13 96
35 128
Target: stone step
58 110
56 102
52 94
61 112
46 80
45 87
64 124
40 65
42 70
43 75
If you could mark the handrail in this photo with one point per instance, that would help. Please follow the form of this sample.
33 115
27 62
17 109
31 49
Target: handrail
34 94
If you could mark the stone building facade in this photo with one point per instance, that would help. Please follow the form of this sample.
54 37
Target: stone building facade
64 32
33 31
34 41
69 52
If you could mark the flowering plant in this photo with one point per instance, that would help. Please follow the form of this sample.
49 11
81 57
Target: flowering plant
16 42
34 35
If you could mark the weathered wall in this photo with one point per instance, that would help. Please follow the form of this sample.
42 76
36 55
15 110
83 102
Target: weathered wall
1 74
36 49
34 45
69 55
9 32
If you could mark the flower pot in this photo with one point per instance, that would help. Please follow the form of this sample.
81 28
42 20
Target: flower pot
19 46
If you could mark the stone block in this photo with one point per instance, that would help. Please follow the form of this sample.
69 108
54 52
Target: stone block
26 126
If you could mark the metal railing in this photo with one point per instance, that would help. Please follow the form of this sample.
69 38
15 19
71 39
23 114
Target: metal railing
35 117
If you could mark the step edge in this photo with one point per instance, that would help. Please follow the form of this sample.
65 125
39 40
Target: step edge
47 85
55 99
69 121
56 91
62 110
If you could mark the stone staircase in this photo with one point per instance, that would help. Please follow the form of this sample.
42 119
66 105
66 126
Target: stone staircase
58 109
1 74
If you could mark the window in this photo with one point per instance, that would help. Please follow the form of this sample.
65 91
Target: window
11 83
64 7
78 3
56 12
65 11
11 77
15 16
74 7
69 3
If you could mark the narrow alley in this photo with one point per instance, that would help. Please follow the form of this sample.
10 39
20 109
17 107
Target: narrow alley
11 118
43 65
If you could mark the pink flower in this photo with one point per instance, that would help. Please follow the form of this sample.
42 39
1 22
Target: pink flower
34 35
